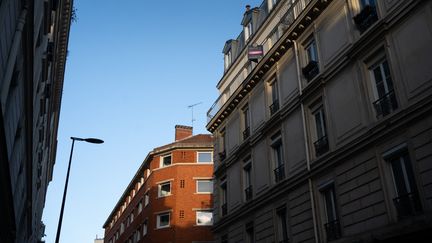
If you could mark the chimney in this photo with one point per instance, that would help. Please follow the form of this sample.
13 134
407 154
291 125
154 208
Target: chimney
182 132
248 8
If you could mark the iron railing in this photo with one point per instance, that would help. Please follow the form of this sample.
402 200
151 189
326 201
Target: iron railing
321 146
310 70
407 204
366 17
274 107
246 133
333 231
279 173
248 193
386 104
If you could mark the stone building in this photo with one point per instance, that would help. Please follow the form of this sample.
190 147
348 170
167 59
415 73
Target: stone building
323 127
170 197
33 47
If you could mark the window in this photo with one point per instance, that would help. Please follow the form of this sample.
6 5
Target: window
367 16
406 201
311 59
122 228
385 98
163 220
224 199
140 206
204 186
222 145
204 218
248 30
274 107
278 162
145 227
205 157
247 179
332 225
246 122
282 225
250 233
319 133
165 160
164 189
228 59
146 199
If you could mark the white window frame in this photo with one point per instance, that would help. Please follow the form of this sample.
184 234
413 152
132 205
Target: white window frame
158 220
205 152
206 212
208 180
145 227
146 199
248 30
161 165
160 185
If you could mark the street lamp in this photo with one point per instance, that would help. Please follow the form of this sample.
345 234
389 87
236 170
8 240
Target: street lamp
89 140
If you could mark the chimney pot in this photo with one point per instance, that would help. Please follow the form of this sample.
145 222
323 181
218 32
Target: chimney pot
248 7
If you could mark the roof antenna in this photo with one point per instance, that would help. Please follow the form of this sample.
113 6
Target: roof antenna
192 107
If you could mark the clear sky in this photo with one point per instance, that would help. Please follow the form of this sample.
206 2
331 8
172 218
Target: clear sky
133 69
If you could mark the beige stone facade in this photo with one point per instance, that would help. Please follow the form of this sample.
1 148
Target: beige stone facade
328 136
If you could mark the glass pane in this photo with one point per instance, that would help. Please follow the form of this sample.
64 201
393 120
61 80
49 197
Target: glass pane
398 176
388 78
164 220
205 157
165 189
167 160
330 204
204 218
205 186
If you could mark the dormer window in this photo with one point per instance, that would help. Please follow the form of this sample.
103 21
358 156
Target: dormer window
248 30
228 59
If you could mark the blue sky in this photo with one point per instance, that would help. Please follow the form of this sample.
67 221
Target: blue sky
133 69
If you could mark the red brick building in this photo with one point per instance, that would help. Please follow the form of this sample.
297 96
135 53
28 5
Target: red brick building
170 197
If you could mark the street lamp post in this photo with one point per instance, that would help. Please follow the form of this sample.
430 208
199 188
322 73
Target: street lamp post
89 140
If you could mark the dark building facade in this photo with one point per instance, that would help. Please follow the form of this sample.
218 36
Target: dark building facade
326 136
33 47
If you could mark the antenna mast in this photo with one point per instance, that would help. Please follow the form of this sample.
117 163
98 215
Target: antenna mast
192 107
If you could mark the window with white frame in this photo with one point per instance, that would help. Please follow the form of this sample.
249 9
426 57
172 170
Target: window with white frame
248 30
246 121
163 220
247 179
204 218
165 160
311 51
278 155
319 128
406 196
164 189
274 96
205 157
146 199
204 186
140 206
145 227
228 59
331 223
311 68
384 96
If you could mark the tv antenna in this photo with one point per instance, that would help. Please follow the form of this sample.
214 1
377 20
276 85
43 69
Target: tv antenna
192 108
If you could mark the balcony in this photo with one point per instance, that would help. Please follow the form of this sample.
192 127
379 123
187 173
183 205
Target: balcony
386 104
279 173
321 146
274 107
333 230
407 205
366 18
311 70
248 193
246 133
224 209
222 155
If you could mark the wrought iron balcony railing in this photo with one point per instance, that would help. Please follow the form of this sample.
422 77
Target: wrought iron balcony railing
366 18
274 107
407 204
311 70
246 133
333 230
224 209
386 104
248 193
279 173
321 146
